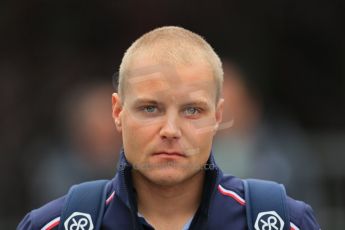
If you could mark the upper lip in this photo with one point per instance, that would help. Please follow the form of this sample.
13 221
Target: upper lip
170 153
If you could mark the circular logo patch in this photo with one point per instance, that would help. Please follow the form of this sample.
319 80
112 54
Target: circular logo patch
79 221
269 221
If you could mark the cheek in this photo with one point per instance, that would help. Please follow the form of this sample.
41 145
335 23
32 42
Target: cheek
137 137
198 138
203 128
205 142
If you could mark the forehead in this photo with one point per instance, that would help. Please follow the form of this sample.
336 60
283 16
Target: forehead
165 81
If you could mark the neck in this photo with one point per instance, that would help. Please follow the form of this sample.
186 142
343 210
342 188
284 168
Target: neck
174 204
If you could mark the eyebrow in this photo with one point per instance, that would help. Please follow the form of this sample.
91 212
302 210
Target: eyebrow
201 103
145 101
197 103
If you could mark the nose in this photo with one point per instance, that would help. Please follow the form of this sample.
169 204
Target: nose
170 129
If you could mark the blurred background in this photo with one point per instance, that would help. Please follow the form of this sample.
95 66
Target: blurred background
284 86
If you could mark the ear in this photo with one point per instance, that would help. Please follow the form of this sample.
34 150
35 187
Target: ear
116 110
219 113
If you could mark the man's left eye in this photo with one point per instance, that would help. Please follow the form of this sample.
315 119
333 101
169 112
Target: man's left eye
191 111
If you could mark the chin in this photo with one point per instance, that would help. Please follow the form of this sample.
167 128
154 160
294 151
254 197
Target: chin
168 177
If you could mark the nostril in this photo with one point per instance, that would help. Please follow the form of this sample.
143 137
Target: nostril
170 131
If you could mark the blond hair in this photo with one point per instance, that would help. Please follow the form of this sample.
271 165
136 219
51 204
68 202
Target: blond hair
172 45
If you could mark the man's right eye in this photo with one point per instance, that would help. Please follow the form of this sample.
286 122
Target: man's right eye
150 109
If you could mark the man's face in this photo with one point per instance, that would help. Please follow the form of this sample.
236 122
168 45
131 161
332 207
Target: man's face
168 119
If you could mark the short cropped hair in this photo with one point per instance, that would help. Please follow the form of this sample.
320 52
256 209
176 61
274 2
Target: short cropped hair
172 45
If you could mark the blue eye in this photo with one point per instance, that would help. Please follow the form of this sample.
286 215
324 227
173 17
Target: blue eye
150 109
191 111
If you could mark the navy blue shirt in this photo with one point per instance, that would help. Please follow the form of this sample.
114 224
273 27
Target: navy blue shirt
222 206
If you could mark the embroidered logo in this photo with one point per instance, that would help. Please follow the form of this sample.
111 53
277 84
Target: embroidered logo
269 221
79 221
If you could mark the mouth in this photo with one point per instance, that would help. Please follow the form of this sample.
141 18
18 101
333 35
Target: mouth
169 154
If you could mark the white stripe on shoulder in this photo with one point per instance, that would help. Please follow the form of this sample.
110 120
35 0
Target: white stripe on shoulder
53 223
293 226
110 198
231 194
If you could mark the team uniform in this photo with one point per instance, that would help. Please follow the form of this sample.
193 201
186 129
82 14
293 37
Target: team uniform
222 206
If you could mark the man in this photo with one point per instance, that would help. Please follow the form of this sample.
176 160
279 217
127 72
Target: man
168 108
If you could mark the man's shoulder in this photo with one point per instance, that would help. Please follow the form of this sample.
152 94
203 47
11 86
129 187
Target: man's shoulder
48 216
301 214
45 217
231 183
